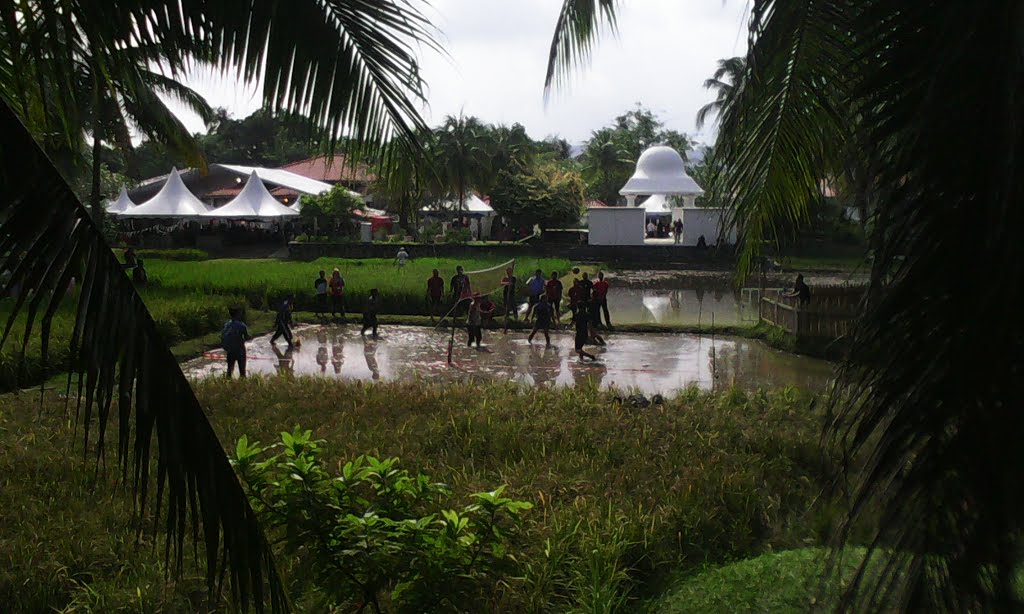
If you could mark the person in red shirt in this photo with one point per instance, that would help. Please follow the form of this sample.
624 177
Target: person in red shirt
554 291
435 294
336 288
601 301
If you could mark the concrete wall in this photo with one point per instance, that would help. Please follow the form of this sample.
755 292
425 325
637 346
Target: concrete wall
616 226
708 222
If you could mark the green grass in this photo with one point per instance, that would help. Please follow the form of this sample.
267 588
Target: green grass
776 583
845 264
626 499
179 317
264 282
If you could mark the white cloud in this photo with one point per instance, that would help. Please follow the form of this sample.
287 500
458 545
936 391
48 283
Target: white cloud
497 54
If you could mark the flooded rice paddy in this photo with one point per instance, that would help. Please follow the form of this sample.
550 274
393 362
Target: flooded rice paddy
724 307
651 363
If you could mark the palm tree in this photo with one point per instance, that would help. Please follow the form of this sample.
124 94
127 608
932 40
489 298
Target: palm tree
927 412
351 66
727 79
606 165
460 156
130 101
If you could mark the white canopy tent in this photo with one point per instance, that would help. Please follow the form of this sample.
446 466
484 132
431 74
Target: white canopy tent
481 215
658 204
253 203
174 200
122 204
471 205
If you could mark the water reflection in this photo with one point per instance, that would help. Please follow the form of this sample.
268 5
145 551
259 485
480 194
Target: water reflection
693 306
650 362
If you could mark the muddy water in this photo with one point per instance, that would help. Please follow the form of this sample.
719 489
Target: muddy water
651 363
677 306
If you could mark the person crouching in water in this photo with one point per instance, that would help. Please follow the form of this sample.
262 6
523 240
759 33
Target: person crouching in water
583 323
474 322
542 314
283 322
370 313
232 338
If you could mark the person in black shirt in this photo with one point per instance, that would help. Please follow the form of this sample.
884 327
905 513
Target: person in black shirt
460 288
320 287
583 331
587 288
283 322
801 290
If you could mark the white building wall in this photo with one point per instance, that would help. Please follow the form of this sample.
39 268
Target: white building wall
704 221
616 226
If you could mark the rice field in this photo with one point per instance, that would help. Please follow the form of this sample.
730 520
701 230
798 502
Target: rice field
264 282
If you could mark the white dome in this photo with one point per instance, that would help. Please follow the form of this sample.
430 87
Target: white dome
660 170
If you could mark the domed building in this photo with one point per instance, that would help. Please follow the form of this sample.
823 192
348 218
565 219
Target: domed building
661 176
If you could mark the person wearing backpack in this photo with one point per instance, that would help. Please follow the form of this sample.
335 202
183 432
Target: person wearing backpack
232 338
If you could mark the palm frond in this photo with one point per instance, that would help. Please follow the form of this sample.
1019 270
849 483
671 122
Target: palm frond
123 365
779 136
577 29
935 369
351 66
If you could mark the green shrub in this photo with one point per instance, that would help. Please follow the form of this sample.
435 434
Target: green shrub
460 237
377 535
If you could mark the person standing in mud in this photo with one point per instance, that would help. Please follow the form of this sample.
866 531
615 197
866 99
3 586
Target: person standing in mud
435 294
600 301
283 322
320 287
232 338
553 290
337 286
370 313
582 322
460 288
474 323
508 294
542 315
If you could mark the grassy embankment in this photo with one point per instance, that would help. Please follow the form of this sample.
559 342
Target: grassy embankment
628 502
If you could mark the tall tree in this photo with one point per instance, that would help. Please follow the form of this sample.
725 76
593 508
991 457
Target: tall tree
606 165
927 406
352 66
726 80
459 151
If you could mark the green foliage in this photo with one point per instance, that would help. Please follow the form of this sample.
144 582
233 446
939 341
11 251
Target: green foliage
622 495
611 152
177 316
625 499
331 208
376 535
547 196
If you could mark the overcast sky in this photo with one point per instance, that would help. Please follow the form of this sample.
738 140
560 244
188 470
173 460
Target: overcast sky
497 54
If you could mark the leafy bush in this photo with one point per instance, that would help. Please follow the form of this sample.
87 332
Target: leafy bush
460 236
377 535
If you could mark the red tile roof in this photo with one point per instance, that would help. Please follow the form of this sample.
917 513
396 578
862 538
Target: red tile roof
333 170
231 192
595 203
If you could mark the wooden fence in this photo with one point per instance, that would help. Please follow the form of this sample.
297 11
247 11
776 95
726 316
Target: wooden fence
831 312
